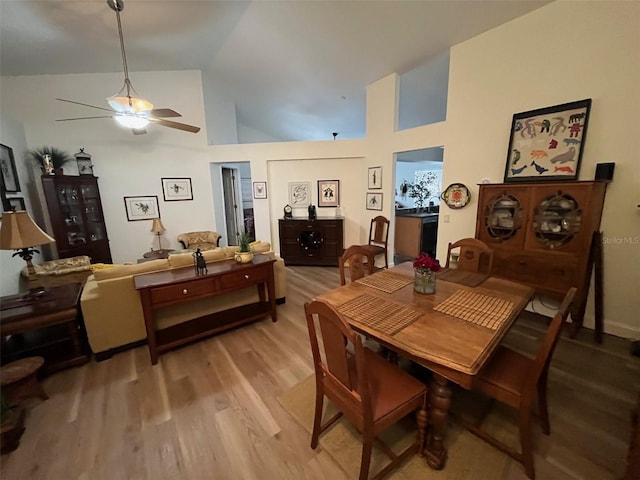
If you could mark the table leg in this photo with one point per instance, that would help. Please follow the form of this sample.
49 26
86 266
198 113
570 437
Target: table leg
422 419
440 401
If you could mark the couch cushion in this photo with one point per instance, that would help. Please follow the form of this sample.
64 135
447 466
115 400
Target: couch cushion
186 259
124 270
260 246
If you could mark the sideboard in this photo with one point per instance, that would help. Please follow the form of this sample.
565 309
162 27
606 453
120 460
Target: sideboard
311 242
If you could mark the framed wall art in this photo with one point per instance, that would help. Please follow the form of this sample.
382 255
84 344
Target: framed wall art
547 144
176 189
375 178
299 194
141 208
374 201
259 189
9 172
328 193
17 203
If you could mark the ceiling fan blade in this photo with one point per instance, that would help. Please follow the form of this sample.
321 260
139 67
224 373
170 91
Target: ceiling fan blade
179 126
82 118
85 104
164 113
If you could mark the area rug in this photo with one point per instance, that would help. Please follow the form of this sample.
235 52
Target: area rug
468 458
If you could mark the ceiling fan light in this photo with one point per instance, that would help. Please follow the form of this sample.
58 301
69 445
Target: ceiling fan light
124 104
132 121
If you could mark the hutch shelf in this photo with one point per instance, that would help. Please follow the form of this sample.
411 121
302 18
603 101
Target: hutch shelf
75 214
545 235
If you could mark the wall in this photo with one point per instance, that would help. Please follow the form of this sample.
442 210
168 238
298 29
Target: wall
574 50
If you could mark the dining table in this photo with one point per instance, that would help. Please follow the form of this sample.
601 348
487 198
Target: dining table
452 332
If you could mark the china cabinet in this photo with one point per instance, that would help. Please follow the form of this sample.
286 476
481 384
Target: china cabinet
75 216
311 242
545 235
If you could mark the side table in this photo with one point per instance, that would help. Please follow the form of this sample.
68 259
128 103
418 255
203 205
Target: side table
155 254
48 325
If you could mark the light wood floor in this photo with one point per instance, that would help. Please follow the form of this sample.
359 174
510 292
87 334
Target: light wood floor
210 410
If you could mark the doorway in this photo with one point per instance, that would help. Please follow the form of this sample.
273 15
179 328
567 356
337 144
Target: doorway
238 200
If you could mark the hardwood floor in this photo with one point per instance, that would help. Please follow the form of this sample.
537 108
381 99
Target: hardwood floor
211 410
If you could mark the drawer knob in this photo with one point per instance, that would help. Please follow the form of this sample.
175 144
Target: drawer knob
246 277
185 291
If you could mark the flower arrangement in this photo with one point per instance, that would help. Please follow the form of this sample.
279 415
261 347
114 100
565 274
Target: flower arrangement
423 263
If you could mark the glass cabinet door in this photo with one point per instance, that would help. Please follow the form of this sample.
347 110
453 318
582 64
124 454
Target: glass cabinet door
504 216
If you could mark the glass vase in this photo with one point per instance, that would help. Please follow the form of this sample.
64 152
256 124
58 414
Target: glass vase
424 282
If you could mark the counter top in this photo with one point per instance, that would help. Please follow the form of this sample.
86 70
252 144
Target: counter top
425 215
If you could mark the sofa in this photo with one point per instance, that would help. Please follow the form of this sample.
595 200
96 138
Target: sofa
112 309
53 273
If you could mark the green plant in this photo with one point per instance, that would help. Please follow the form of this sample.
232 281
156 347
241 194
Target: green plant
58 157
244 239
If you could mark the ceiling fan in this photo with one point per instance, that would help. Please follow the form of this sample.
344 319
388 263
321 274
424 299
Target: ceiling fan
127 107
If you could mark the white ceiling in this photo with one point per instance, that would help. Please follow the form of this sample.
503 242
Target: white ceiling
295 70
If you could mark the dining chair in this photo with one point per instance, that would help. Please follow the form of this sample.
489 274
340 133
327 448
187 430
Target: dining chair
513 379
474 256
372 393
353 260
378 238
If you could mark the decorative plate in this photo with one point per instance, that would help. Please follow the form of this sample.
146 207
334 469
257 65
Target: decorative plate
456 195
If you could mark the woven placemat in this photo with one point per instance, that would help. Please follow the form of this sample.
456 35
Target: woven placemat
384 316
386 281
477 308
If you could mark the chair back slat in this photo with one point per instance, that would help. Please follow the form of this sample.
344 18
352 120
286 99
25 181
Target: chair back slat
353 260
475 255
379 231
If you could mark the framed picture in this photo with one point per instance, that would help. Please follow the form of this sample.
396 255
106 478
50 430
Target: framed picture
259 189
141 208
375 178
328 193
374 201
9 172
17 203
175 189
299 194
547 144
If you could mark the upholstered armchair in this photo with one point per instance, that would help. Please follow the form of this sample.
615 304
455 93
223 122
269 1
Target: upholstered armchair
206 240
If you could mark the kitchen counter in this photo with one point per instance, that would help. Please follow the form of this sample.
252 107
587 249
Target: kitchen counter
415 233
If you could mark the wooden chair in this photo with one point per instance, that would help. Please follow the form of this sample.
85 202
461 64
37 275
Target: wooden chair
472 253
372 393
353 260
513 378
378 238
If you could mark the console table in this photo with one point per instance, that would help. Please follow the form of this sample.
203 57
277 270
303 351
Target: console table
183 285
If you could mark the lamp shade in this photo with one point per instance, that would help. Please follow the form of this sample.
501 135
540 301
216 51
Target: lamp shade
18 230
157 226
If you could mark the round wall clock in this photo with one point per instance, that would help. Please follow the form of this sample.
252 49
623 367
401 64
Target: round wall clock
456 195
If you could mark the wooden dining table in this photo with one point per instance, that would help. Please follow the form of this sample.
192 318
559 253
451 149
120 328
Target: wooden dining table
452 332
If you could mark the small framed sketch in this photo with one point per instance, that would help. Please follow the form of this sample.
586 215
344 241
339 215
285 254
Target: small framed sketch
374 201
375 178
328 193
175 189
17 203
9 172
259 189
141 208
299 194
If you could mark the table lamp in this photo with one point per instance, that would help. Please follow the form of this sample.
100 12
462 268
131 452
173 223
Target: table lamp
19 232
158 228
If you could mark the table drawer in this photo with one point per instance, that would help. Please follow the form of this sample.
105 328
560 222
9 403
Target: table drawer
243 278
182 291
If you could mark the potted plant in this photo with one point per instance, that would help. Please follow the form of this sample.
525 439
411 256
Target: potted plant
50 159
244 255
11 425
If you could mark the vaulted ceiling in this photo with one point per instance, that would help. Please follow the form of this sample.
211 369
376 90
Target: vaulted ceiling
295 70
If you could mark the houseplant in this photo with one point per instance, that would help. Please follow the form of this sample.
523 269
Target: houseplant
425 279
244 255
56 158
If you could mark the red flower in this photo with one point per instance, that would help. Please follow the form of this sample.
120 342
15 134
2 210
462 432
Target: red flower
425 262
